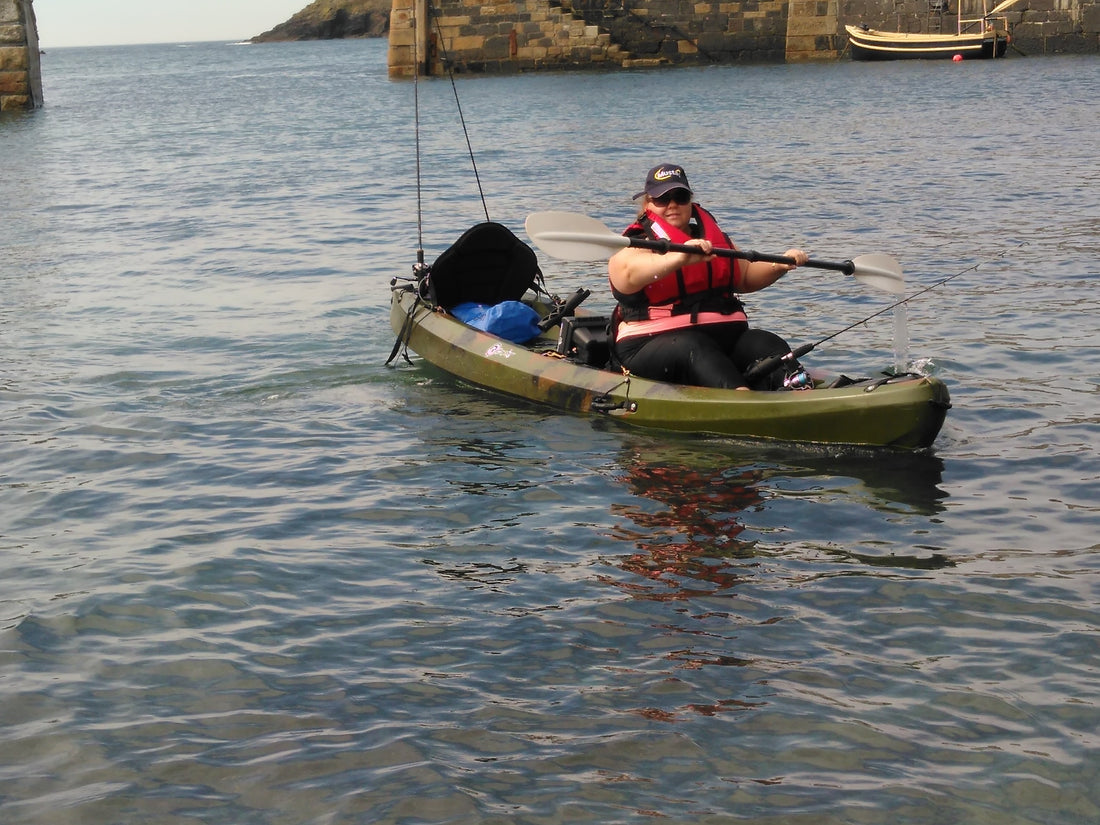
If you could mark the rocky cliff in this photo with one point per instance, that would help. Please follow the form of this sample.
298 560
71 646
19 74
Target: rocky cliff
333 19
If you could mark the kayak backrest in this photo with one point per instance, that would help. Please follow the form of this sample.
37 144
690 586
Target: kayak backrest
488 264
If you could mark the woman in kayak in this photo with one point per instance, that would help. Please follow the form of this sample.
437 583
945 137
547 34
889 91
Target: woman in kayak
679 318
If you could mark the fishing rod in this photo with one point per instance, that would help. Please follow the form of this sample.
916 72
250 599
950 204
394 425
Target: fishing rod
767 365
416 132
421 62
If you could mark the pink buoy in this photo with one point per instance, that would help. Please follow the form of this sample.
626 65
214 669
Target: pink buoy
957 58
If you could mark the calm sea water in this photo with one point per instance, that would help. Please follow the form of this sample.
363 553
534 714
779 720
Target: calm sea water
248 574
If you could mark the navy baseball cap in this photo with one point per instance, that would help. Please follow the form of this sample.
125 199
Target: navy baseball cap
663 179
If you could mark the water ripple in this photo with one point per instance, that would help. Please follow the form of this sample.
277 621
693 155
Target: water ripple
251 575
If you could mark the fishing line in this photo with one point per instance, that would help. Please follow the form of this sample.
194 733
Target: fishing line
769 364
458 106
921 292
421 63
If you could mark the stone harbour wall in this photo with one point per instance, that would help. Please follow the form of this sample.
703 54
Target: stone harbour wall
20 68
500 36
534 35
523 35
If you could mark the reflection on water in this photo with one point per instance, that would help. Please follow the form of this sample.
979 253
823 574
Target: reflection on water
697 541
685 546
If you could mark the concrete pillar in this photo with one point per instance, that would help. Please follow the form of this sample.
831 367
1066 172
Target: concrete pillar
410 39
811 30
20 68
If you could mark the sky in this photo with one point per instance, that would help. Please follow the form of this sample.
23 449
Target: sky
117 22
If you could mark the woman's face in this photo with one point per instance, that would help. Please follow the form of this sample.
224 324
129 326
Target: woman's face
674 207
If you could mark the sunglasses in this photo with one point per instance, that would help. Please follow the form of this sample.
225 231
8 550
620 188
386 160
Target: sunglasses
680 196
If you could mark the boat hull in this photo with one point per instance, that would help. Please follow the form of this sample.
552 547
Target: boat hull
904 412
871 44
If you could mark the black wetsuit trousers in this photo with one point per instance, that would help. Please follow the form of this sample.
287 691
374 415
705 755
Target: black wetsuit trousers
715 355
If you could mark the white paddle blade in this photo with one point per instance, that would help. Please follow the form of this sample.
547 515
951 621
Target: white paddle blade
881 272
572 237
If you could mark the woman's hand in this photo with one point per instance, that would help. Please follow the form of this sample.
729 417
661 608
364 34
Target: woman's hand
632 269
799 256
761 274
706 249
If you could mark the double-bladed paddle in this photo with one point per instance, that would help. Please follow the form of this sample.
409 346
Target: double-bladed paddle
574 237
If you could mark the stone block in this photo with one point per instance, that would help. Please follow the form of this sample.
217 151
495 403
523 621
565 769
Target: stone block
14 83
468 43
801 44
1027 31
809 26
14 103
453 20
815 56
496 48
401 37
400 62
9 12
1056 28
13 59
13 34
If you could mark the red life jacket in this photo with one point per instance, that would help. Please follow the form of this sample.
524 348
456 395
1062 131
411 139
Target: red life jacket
702 293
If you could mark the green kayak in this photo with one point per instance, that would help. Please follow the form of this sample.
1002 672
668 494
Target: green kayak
904 412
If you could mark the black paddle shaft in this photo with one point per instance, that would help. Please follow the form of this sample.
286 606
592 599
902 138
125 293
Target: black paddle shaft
662 246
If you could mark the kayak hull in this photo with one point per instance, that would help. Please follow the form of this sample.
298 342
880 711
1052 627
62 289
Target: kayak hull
904 412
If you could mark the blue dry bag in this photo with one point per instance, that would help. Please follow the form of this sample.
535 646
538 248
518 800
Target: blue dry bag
511 320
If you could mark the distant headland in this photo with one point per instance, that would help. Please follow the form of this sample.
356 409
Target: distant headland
332 20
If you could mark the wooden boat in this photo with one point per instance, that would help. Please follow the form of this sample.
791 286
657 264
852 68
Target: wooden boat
566 367
975 38
871 44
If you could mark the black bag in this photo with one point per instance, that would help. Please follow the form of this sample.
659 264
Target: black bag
487 264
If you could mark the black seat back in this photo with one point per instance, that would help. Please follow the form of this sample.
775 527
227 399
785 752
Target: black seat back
487 264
